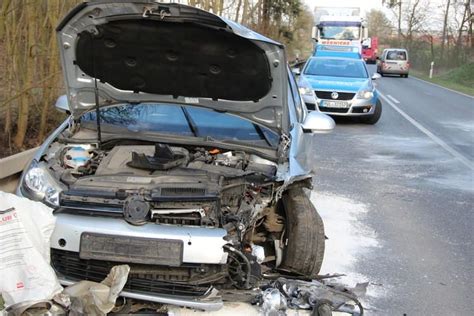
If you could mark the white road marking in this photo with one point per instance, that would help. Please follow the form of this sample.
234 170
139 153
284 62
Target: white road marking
393 99
439 86
456 154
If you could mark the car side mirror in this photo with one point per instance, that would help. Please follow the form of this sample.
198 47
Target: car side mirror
318 123
376 76
62 104
296 71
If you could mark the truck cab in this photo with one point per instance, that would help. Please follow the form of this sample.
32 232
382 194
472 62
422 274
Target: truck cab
370 49
339 26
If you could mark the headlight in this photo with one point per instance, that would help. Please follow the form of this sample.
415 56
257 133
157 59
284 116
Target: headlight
365 94
40 185
306 90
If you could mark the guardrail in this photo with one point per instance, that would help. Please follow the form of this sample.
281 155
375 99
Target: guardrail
11 168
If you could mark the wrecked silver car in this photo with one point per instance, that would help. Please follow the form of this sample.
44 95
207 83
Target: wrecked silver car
186 155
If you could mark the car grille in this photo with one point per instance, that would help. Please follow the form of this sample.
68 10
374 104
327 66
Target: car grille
74 268
183 191
327 95
332 110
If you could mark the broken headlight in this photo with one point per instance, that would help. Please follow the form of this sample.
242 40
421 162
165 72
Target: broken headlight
39 184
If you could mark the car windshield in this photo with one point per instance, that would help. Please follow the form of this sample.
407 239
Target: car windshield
351 68
396 55
340 32
184 121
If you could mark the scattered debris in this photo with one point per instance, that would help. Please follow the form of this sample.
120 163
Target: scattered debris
273 302
92 298
26 262
82 298
322 299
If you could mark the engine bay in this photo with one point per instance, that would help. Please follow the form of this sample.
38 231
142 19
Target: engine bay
185 186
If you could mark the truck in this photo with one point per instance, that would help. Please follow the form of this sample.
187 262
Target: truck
342 26
370 49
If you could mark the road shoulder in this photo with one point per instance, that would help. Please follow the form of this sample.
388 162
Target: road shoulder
451 86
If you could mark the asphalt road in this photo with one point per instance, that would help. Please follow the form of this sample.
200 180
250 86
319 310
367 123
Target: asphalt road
404 191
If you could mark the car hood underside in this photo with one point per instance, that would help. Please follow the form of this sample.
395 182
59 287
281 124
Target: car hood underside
141 51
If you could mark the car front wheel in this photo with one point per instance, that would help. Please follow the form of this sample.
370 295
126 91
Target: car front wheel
304 252
374 118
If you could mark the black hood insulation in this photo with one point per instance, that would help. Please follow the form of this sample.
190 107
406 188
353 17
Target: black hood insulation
175 58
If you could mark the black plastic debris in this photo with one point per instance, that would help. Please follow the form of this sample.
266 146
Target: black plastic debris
165 158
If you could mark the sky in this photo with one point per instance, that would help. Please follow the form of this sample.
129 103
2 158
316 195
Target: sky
365 5
436 7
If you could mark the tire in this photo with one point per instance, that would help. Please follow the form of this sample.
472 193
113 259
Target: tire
406 76
382 74
374 118
304 252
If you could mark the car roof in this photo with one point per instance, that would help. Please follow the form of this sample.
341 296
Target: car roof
351 55
335 57
402 49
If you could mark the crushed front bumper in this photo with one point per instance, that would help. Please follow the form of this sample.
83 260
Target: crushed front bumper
202 247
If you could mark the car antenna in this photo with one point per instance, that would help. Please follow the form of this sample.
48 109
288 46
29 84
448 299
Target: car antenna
96 94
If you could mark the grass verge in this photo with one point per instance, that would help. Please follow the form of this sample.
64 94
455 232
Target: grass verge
459 79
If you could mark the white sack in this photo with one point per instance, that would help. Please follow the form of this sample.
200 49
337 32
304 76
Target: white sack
25 232
92 298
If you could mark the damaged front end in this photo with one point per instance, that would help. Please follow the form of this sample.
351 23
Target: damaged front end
185 219
190 167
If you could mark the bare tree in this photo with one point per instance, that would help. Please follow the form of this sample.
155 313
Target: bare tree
463 26
415 18
396 6
378 24
445 26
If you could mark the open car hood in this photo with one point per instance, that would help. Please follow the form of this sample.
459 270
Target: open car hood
143 51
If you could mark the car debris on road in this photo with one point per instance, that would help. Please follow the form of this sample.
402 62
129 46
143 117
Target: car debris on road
268 297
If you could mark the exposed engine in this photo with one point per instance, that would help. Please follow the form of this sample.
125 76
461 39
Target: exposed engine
184 186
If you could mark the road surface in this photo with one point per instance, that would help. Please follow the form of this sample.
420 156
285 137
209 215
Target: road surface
398 200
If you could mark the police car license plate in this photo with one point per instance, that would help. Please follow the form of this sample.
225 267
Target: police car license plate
336 104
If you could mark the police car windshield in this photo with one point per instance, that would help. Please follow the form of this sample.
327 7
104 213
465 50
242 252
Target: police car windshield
351 68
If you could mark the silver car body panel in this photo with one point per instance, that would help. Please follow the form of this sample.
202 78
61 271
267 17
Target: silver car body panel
268 111
200 244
